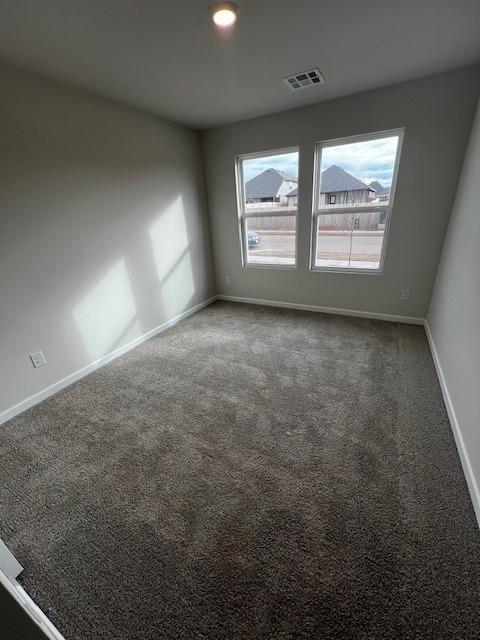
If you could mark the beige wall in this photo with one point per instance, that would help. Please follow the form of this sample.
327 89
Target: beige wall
454 314
437 113
103 229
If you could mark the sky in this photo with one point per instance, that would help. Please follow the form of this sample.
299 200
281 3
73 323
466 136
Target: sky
286 162
368 161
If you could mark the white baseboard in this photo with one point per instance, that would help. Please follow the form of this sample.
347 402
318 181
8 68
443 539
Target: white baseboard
457 433
22 598
89 368
337 311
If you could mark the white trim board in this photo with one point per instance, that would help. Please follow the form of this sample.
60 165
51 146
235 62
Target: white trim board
457 433
8 563
337 311
19 594
96 364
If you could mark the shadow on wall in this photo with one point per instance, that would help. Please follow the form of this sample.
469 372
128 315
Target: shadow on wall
115 311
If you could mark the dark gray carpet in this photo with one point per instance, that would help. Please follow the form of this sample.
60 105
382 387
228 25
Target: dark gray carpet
250 474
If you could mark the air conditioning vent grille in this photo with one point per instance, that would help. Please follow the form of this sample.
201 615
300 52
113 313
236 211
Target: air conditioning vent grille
304 79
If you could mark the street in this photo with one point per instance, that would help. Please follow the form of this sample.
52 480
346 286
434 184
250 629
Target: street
332 246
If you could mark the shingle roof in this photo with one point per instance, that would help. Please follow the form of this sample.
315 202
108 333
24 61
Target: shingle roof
337 179
266 184
379 189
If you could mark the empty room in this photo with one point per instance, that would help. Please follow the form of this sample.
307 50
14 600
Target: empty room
239 320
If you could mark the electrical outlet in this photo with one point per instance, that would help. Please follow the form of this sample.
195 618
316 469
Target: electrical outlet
38 359
406 294
227 280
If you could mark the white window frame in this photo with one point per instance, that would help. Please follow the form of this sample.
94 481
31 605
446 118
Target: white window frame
317 210
242 214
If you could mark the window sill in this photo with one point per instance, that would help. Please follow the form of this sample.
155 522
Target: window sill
369 272
272 265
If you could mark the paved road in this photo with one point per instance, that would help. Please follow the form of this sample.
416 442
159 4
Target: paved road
330 246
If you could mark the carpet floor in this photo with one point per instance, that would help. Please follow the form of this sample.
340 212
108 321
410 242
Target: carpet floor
252 473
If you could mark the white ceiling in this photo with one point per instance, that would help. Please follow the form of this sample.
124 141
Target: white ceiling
164 56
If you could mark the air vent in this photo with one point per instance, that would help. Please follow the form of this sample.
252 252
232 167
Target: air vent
304 79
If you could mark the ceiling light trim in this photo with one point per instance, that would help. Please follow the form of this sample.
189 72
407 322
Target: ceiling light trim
225 14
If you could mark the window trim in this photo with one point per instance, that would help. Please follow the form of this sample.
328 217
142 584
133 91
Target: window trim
388 209
242 214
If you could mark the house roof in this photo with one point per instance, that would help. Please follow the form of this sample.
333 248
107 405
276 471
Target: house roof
337 179
379 189
266 184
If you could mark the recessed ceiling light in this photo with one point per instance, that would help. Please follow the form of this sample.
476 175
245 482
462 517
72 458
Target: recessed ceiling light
225 14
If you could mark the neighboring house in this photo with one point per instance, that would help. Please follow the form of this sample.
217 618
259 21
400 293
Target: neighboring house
338 187
271 185
381 193
292 198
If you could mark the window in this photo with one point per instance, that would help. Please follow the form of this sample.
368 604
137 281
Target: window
267 194
353 188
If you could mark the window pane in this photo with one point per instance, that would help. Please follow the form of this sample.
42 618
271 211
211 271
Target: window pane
357 173
350 240
270 240
269 184
271 181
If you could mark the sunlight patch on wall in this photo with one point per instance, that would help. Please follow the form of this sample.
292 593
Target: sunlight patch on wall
106 317
169 237
170 245
178 288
